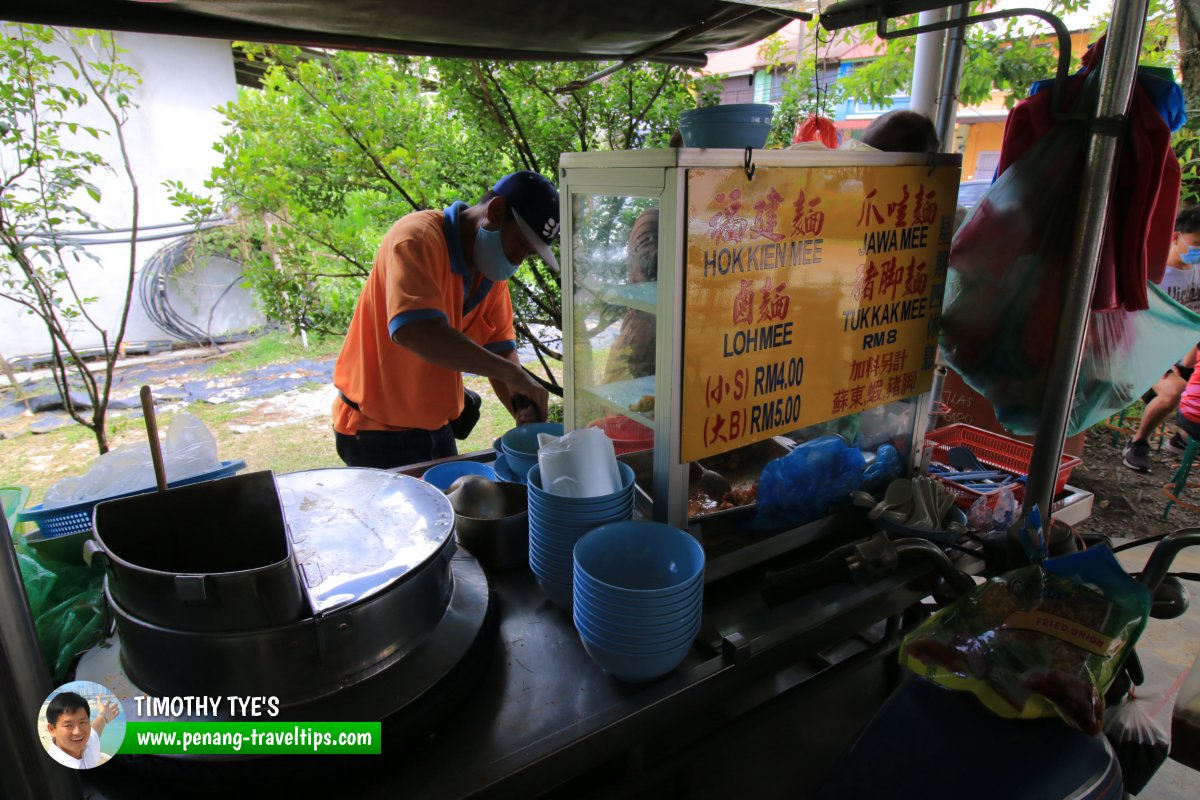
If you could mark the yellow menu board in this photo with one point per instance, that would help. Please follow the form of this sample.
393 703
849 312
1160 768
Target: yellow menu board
812 293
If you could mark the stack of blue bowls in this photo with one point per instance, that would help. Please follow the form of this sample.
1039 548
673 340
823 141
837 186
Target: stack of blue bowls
639 593
737 125
556 523
518 450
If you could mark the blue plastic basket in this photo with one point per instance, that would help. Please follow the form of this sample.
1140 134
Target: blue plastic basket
53 522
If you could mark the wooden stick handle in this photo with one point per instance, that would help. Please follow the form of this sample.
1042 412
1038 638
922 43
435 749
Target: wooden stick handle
160 470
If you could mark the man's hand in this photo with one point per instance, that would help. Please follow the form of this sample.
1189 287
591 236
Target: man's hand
109 710
524 386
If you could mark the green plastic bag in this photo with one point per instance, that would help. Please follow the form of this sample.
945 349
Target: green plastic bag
68 609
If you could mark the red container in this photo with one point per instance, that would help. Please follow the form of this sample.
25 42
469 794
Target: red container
627 435
993 450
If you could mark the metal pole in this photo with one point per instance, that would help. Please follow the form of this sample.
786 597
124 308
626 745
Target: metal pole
947 106
1117 72
26 770
927 63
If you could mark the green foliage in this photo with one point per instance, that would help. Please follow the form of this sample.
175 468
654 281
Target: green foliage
1187 147
320 162
1006 57
45 175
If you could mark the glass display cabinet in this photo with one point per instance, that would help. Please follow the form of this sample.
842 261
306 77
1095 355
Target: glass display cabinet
719 307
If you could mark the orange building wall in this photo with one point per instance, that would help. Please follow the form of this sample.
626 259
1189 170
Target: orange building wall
980 136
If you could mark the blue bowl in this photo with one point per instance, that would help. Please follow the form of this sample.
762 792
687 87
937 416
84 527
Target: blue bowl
506 473
639 559
519 464
535 488
523 441
683 633
645 610
635 668
579 521
737 135
635 627
733 112
549 571
637 599
443 475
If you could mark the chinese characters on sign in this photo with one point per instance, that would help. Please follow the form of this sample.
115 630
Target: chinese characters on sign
810 295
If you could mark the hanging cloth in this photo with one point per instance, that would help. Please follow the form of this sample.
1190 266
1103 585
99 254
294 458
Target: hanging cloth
1145 195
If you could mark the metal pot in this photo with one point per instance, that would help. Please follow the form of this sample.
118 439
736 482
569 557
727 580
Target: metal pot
503 543
213 556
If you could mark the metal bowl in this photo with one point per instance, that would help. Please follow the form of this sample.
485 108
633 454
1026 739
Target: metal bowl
503 543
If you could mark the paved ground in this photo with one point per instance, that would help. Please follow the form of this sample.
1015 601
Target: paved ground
1167 649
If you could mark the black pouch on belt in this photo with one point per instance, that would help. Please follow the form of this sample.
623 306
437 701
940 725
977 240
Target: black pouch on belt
464 423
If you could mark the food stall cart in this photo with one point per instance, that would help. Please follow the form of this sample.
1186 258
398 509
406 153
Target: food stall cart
523 711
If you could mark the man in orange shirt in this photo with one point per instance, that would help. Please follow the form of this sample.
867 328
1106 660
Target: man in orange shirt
435 305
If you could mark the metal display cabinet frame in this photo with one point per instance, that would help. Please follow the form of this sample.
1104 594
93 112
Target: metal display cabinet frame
662 175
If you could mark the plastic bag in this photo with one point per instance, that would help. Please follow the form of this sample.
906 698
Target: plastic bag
1008 269
1185 721
993 511
67 606
583 463
887 467
189 449
816 128
1037 641
801 486
1140 743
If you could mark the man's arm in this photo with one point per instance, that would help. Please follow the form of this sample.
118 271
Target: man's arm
438 343
108 711
525 415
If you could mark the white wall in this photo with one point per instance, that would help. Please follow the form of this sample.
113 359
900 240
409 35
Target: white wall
169 136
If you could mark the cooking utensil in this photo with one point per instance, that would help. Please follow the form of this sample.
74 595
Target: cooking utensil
898 494
160 470
212 556
712 483
475 496
501 543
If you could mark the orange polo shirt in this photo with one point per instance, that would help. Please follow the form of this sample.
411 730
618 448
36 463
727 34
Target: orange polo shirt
420 273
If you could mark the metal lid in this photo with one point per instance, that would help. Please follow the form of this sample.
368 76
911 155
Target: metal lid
355 532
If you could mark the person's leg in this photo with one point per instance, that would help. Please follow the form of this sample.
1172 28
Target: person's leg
1167 392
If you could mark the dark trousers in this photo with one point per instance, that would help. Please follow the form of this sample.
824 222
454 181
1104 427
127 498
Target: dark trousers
1192 429
388 449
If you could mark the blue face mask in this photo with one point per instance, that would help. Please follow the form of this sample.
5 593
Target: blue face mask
1192 256
490 258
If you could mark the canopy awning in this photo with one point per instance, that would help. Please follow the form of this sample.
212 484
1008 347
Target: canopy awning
549 30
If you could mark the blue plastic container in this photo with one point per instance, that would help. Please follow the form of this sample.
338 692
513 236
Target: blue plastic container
639 559
738 125
651 612
683 635
635 668
522 440
443 475
65 520
540 497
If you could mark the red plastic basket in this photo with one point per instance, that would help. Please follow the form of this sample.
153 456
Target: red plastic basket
994 450
627 435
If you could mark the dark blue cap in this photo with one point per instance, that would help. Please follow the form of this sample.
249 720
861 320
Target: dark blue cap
534 203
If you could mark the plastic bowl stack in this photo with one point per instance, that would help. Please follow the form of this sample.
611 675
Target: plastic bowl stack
638 592
557 523
737 125
519 449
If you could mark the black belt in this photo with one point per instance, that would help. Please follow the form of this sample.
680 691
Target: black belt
348 401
